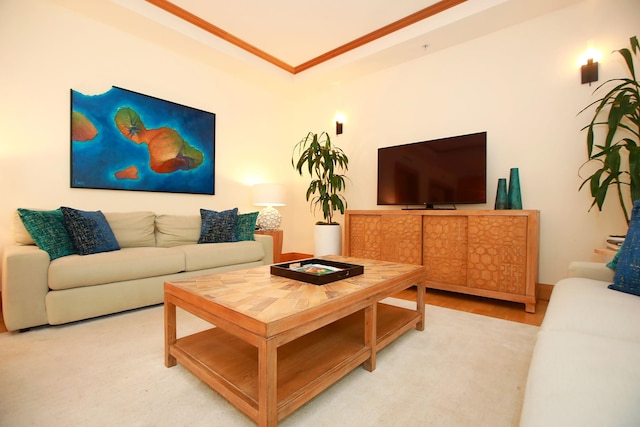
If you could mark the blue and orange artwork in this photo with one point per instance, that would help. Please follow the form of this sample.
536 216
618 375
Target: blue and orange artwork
124 140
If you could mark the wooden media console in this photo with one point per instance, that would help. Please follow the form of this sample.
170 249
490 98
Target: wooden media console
488 253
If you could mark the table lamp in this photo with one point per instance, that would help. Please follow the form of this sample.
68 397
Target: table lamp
268 195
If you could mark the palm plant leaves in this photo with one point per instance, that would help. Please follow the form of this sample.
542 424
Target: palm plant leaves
324 163
621 104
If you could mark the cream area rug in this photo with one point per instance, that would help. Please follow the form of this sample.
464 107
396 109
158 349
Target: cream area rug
463 370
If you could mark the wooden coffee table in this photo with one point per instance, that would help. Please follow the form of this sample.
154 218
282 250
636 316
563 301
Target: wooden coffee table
279 342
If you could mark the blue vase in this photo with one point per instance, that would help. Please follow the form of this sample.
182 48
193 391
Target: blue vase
515 197
502 201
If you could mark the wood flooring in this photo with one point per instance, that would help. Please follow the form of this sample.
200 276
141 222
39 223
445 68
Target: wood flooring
485 306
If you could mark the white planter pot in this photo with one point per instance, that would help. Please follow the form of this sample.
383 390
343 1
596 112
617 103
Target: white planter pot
327 240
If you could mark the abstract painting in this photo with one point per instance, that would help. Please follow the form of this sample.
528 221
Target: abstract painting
124 140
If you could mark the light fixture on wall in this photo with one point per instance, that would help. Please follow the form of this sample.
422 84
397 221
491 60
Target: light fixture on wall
340 119
589 72
588 62
269 195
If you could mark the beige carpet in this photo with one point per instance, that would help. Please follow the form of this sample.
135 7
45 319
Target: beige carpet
463 370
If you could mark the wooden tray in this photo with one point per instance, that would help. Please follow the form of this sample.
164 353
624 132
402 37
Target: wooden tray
289 270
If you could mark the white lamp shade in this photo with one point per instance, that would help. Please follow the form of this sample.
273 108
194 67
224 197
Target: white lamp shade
269 195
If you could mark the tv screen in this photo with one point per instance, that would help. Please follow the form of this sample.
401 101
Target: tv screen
446 171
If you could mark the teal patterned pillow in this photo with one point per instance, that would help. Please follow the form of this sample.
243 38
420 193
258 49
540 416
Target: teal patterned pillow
627 277
246 225
614 261
48 231
218 227
89 231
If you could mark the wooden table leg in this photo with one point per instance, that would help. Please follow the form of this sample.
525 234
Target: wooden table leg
267 383
370 335
169 333
420 305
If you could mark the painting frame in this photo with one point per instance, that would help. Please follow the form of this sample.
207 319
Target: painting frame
126 140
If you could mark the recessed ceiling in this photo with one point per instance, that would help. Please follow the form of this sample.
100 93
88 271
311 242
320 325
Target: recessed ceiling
353 36
297 35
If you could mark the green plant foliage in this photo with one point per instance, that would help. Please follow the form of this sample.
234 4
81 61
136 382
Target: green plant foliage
325 165
618 111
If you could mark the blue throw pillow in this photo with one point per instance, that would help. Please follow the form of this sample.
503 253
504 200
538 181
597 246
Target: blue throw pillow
627 277
218 227
48 231
89 231
246 226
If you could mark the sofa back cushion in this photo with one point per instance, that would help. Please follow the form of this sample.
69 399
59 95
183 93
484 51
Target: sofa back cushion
176 230
133 229
20 234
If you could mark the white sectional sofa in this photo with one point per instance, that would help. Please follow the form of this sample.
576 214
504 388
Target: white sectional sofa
153 249
585 369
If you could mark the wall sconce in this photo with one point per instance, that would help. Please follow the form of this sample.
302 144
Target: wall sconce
269 195
340 119
589 72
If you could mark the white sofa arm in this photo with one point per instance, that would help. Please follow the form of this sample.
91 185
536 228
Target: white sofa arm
24 286
267 243
591 270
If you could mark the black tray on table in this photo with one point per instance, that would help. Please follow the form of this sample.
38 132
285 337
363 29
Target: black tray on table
305 271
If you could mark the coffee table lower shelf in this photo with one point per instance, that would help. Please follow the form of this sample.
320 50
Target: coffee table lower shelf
305 366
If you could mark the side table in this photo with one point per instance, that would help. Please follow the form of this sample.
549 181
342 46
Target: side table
277 242
603 254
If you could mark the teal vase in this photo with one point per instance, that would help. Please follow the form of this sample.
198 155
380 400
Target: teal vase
515 197
502 201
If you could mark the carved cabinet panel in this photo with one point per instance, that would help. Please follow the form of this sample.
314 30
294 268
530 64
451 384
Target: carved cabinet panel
478 252
362 236
401 240
390 237
498 253
445 249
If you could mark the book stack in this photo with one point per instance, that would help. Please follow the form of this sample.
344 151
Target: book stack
615 241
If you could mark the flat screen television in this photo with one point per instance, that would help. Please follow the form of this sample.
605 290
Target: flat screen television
446 171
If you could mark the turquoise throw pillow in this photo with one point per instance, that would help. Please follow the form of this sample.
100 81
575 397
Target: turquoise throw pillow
89 231
614 261
246 226
218 227
48 231
627 277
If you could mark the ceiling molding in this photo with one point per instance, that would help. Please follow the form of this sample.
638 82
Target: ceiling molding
185 15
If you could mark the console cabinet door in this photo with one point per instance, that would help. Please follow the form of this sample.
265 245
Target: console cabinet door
401 239
445 249
365 238
498 253
394 238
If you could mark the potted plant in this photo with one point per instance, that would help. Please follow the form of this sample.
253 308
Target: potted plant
325 164
618 154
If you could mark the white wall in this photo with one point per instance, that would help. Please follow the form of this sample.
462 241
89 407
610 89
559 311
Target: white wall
48 47
520 84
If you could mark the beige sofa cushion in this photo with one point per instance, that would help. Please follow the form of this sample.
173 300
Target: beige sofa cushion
175 230
211 255
133 229
590 307
584 380
126 264
20 234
